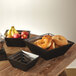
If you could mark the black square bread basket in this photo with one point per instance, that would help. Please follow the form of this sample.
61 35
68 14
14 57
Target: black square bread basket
23 60
16 42
44 53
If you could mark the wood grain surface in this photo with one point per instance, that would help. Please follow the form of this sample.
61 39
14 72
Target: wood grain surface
52 67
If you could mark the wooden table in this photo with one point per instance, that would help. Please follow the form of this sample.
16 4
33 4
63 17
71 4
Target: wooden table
52 67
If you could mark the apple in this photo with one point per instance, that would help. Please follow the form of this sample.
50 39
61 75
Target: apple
24 33
24 37
16 35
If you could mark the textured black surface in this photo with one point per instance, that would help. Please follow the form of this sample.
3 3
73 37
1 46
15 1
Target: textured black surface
22 61
3 55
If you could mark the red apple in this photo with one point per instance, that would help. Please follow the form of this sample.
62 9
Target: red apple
24 33
16 35
24 37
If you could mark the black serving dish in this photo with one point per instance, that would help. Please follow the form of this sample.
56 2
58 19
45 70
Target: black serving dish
16 42
3 55
43 52
23 60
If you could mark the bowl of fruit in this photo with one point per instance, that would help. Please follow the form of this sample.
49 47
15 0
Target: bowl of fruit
15 38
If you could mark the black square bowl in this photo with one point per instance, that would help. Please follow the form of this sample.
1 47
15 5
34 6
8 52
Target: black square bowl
23 60
16 42
3 55
44 53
